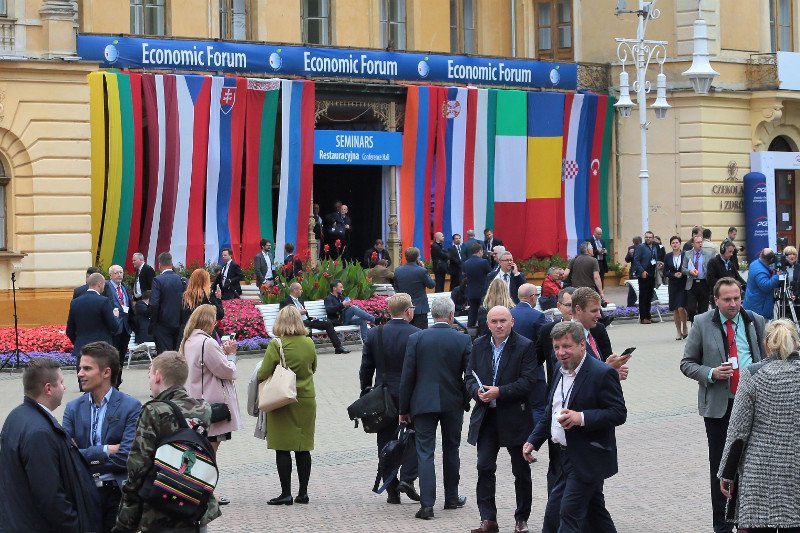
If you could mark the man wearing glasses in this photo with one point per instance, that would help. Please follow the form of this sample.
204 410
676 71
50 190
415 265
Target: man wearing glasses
507 271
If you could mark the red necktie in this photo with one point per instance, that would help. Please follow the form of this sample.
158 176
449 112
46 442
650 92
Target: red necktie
733 356
120 296
594 346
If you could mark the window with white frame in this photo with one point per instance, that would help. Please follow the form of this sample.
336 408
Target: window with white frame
148 17
393 24
233 19
462 26
317 22
4 180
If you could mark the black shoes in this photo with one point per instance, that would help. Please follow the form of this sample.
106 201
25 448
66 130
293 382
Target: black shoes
301 498
342 350
456 504
282 500
425 513
223 501
393 498
409 490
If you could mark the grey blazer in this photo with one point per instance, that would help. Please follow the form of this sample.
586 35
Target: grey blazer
706 349
706 255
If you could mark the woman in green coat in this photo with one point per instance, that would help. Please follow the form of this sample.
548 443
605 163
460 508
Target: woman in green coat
291 428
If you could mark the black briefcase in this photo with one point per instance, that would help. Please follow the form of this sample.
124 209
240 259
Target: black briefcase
375 409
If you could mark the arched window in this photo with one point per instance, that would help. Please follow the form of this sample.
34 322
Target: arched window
4 180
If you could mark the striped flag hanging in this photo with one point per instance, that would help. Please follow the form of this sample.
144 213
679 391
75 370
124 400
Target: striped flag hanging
584 157
153 97
138 158
569 172
482 205
195 241
605 162
599 125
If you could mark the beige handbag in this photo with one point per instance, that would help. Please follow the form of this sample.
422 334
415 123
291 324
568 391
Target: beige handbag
280 388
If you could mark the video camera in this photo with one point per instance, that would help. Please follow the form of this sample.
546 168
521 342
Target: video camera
778 263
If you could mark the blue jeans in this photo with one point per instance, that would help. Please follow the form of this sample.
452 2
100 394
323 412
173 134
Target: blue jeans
353 316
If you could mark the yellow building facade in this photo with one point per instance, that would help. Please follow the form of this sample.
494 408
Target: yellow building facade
698 154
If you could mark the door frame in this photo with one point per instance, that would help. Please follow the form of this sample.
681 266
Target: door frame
767 163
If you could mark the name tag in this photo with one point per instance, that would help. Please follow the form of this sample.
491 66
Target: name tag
734 361
652 261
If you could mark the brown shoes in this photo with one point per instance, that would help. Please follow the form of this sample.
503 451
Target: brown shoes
521 526
646 321
487 526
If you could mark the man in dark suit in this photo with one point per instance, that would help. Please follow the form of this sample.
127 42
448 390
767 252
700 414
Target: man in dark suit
599 251
229 278
295 265
440 260
506 270
319 225
102 423
295 293
340 228
470 242
723 266
80 291
489 242
375 254
586 311
383 356
505 364
264 264
432 392
92 317
341 311
695 269
117 292
165 306
144 276
476 268
528 321
457 254
585 403
412 278
645 258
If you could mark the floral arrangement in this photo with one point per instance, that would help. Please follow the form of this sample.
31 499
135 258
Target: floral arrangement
253 344
376 306
36 339
625 312
242 319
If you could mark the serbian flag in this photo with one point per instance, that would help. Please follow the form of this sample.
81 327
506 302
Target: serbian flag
510 169
573 108
297 166
545 147
262 112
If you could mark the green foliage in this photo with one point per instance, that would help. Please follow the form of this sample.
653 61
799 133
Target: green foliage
536 264
316 282
616 268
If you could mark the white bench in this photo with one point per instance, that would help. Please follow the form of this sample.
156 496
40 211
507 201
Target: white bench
383 289
315 308
462 320
661 296
251 292
134 348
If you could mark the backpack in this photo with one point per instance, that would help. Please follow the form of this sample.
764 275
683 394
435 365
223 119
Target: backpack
184 472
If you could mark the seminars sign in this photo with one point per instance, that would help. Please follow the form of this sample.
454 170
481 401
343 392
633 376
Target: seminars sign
335 147
283 60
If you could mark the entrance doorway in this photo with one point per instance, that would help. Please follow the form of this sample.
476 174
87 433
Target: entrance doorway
360 188
785 205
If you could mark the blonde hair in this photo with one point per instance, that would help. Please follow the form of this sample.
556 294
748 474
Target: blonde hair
789 250
398 303
198 287
172 367
288 323
498 294
781 338
203 318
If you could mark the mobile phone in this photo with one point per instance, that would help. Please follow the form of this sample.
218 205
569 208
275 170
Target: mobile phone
628 351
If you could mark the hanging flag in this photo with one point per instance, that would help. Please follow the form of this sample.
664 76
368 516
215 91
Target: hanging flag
153 97
468 207
127 169
569 171
605 164
596 161
135 226
297 165
262 112
454 112
545 146
212 244
584 158
201 99
482 205
510 175
114 175
97 115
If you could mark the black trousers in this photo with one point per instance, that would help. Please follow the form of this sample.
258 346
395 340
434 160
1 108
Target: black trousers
488 447
574 505
420 320
121 341
472 315
425 425
328 327
166 338
646 287
438 279
408 470
455 279
716 432
110 496
631 297
697 299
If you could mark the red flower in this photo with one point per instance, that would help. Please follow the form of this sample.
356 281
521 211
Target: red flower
338 243
336 263
327 248
374 256
326 275
299 277
287 267
316 284
276 290
264 287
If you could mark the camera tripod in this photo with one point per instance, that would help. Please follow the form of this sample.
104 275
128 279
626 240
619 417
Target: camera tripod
784 305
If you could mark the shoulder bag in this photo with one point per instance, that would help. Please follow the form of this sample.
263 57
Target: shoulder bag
220 412
375 407
280 388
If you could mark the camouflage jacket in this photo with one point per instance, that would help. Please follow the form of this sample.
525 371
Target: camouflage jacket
155 422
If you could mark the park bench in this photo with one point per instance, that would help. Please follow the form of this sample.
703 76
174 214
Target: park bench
315 308
660 296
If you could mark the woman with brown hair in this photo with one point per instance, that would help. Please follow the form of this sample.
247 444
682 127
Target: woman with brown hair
496 294
197 293
292 427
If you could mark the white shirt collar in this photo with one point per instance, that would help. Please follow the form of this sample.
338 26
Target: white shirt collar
577 369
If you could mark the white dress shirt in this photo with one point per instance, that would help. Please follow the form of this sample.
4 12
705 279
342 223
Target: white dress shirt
269 265
501 275
557 433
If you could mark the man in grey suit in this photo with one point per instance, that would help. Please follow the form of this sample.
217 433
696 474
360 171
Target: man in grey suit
412 279
432 392
694 267
263 264
721 343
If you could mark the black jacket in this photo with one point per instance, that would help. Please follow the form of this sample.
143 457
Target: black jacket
515 282
715 269
232 287
140 320
439 258
544 346
211 299
516 376
91 318
395 339
456 258
475 269
334 309
381 255
45 484
413 279
124 318
145 278
166 301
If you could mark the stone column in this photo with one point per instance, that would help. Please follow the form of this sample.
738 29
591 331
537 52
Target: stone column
393 242
313 243
58 23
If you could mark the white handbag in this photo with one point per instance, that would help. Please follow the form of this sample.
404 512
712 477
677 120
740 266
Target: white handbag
280 388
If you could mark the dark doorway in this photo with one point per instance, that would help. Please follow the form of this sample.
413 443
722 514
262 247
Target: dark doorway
358 187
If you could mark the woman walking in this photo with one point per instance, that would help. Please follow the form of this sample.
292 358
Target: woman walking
197 293
763 439
291 428
676 287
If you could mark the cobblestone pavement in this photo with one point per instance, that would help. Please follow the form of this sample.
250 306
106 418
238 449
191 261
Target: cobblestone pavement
662 484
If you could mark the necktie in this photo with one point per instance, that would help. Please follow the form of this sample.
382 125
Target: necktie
696 260
225 273
120 295
593 345
458 248
95 422
733 356
505 277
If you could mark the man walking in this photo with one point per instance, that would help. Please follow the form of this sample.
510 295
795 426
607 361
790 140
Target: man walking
645 258
165 306
295 293
694 267
229 278
599 252
500 377
506 270
45 484
457 255
102 423
722 266
721 343
117 292
432 393
476 268
412 279
383 356
263 264
440 261
528 322
144 276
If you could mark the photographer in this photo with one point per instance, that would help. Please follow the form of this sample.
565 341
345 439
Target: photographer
761 282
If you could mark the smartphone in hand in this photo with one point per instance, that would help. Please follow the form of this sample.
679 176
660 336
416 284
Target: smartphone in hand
628 351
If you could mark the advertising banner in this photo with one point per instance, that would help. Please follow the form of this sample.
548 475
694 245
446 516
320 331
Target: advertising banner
337 147
756 219
286 60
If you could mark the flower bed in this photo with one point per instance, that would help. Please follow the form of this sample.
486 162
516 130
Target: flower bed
376 306
40 339
631 312
243 319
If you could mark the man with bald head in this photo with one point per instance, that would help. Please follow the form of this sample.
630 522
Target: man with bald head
294 299
440 260
528 322
120 297
500 377
92 317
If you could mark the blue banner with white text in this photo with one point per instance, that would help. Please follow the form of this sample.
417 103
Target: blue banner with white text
336 147
756 214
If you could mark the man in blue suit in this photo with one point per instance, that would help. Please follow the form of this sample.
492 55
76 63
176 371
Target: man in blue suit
120 297
92 317
476 268
412 278
102 423
585 404
528 321
165 306
759 296
383 356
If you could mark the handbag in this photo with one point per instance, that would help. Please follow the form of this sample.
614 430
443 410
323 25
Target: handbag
375 407
220 412
280 388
